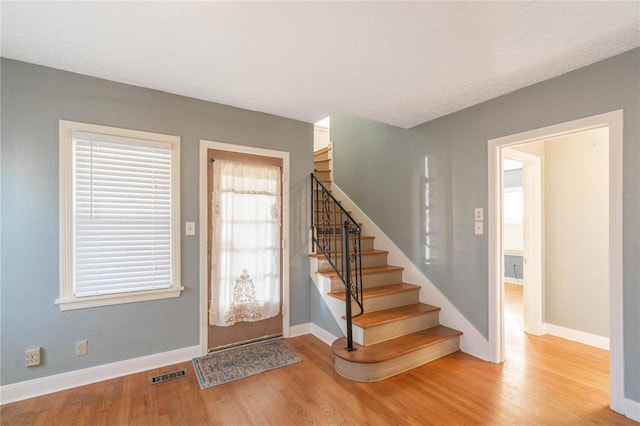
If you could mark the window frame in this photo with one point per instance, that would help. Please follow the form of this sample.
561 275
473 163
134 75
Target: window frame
67 300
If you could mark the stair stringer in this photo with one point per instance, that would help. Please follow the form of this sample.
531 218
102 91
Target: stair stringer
471 342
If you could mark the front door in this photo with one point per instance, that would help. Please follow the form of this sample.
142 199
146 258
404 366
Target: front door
244 248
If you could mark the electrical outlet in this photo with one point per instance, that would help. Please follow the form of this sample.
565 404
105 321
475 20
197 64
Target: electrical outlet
32 357
82 347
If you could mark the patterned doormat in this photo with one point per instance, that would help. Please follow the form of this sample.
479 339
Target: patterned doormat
237 363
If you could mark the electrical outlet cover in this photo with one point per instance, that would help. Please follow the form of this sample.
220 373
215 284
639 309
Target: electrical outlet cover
82 347
479 228
189 228
32 357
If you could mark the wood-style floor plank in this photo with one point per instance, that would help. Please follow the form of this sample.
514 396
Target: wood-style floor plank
545 380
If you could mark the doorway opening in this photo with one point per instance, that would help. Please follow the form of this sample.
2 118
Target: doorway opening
513 244
238 305
522 236
534 256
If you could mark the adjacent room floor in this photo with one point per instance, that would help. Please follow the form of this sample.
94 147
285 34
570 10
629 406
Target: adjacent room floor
545 380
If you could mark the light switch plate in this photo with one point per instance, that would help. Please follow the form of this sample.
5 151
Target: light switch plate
479 213
479 228
189 228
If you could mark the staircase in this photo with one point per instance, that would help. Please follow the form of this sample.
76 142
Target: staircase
396 332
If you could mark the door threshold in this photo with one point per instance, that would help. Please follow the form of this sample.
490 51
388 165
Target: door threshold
244 342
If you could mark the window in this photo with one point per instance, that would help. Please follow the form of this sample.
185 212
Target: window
513 231
513 205
120 216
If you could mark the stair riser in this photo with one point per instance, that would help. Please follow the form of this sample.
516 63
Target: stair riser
387 301
332 219
373 372
321 164
372 280
323 156
330 205
331 232
318 212
318 203
390 330
368 261
373 304
323 175
330 229
366 244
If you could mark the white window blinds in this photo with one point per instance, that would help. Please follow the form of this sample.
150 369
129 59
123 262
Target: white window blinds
122 214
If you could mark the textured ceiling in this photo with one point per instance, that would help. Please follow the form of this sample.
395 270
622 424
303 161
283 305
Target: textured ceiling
394 62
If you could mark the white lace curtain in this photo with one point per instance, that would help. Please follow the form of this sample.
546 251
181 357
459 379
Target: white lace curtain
245 258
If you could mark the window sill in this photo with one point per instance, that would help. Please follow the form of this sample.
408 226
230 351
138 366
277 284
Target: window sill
117 299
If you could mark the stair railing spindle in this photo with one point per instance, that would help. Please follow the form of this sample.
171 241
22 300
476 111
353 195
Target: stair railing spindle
346 268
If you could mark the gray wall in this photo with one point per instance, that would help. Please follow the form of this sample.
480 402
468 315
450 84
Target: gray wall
321 315
34 98
513 266
390 160
576 231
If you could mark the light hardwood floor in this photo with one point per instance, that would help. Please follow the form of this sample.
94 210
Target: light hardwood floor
545 381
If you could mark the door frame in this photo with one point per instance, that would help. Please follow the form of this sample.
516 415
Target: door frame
205 145
533 238
614 121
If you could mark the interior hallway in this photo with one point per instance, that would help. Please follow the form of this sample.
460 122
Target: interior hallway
560 359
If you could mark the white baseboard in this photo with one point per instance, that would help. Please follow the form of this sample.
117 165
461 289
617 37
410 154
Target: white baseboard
45 385
316 330
323 334
632 409
576 336
300 329
472 341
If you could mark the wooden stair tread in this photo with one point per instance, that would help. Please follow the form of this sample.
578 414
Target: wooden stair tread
321 151
320 170
364 253
394 348
379 291
365 271
372 319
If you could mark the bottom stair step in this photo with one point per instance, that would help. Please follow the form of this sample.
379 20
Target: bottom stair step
392 357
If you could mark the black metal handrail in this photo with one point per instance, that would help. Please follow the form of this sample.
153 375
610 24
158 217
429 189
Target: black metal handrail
336 235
